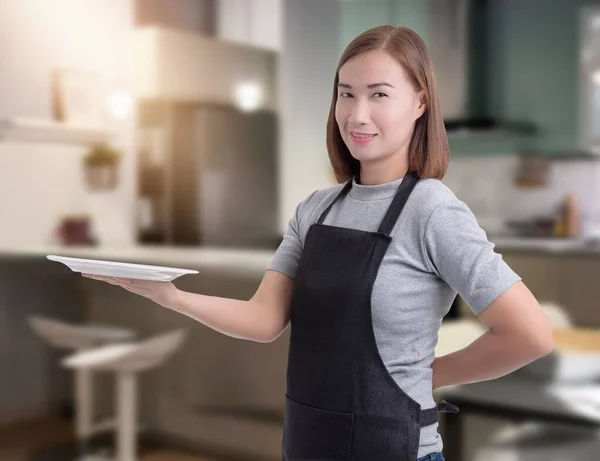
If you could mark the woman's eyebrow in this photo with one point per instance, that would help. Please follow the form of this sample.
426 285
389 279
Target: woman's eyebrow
372 85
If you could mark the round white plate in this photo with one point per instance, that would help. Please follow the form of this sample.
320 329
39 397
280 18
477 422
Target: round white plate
120 269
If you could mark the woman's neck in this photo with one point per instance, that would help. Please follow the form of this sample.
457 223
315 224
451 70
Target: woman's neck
382 173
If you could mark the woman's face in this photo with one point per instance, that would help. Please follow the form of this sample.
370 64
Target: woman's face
376 107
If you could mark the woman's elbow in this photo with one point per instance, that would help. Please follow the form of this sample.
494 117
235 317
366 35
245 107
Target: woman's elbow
543 344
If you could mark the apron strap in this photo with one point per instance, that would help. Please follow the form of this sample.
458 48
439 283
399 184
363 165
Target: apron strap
430 416
342 193
404 190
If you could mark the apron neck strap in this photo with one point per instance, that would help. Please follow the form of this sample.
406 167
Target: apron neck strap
342 193
404 190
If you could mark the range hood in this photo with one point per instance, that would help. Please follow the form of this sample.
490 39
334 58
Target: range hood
457 41
186 67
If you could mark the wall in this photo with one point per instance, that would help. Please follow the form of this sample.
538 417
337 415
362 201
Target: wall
486 185
40 182
360 15
307 68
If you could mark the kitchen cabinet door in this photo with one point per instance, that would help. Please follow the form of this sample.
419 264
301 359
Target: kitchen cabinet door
589 69
541 272
581 290
33 384
253 22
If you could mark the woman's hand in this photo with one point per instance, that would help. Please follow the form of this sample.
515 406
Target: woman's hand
163 293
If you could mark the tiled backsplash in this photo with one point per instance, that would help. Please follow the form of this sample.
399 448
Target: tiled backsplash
486 184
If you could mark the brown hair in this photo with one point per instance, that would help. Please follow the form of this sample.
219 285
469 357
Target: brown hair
428 151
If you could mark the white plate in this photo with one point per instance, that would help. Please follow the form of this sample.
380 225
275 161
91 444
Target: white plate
119 269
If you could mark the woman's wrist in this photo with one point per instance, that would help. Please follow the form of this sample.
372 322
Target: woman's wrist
170 298
437 374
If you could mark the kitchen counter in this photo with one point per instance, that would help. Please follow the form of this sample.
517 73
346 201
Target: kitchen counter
548 245
253 262
236 261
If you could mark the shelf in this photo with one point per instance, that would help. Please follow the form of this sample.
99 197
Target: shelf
49 131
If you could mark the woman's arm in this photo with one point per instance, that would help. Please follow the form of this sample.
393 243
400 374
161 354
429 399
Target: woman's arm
262 319
519 333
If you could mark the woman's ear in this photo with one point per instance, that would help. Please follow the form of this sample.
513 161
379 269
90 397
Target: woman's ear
422 108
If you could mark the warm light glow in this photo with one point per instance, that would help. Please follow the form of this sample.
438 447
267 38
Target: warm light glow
120 104
248 96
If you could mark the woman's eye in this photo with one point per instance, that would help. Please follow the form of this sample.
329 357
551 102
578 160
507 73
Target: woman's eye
379 95
345 95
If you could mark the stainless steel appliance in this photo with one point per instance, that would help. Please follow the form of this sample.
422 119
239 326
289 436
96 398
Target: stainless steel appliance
219 179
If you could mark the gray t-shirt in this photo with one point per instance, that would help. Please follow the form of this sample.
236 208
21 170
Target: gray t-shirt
437 250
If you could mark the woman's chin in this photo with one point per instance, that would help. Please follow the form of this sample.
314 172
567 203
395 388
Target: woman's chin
364 155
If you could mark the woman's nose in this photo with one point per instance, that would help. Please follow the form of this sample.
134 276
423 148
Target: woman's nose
359 113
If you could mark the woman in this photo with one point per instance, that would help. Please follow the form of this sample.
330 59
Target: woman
367 270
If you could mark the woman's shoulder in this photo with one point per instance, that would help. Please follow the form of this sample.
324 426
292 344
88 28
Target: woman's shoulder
433 204
316 201
431 192
436 205
321 195
328 192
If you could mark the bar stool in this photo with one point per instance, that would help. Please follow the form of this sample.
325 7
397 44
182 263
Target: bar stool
64 335
126 361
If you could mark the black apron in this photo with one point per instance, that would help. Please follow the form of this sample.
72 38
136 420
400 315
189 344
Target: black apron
341 402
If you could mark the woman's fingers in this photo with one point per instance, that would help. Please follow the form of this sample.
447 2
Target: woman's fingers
107 278
101 278
147 288
139 287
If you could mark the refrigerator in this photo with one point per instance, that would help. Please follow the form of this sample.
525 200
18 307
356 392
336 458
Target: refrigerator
223 177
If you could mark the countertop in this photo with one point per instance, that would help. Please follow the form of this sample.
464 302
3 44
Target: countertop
236 261
549 245
253 261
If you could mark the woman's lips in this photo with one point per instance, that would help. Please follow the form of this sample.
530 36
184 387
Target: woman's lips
362 138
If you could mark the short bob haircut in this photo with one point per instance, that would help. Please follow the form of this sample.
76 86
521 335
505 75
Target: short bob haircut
428 151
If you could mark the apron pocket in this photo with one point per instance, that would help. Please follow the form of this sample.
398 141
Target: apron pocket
313 434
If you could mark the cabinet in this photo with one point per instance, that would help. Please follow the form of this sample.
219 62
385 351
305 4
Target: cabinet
589 90
251 22
567 279
33 382
580 290
540 272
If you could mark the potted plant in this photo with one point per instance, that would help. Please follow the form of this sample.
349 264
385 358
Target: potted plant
101 166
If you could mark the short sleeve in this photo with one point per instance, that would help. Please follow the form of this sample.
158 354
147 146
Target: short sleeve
458 251
287 256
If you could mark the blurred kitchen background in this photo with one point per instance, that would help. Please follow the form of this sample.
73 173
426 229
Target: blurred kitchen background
185 132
